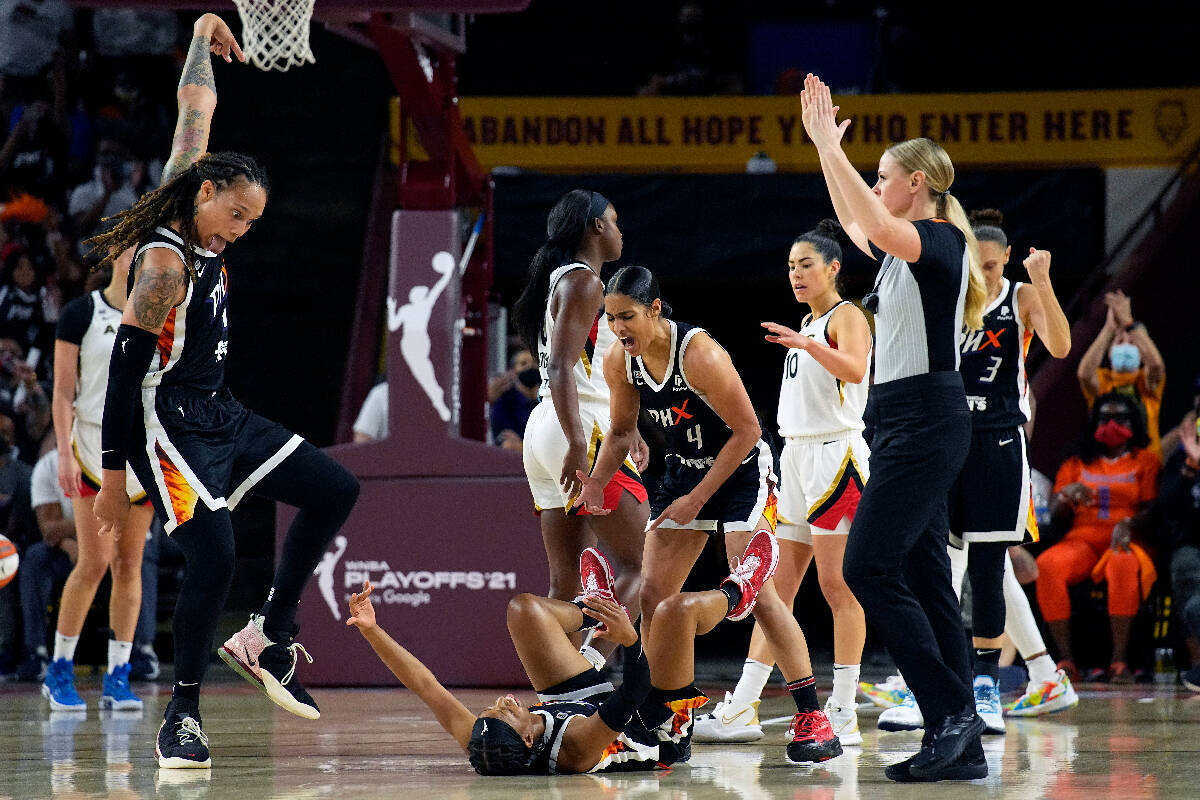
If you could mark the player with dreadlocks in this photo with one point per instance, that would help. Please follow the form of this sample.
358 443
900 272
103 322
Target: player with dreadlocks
196 449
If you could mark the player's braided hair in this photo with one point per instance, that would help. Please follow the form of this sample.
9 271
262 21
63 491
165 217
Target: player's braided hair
174 200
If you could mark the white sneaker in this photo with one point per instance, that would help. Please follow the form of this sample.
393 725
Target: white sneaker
844 721
888 694
730 721
987 704
1046 698
904 717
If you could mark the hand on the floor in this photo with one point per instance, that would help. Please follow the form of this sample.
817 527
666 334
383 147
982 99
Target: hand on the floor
362 610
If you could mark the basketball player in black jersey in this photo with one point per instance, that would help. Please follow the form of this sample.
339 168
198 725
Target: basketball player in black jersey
581 723
717 476
195 449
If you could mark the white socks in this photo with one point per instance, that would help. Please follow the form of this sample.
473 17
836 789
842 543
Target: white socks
118 654
1041 670
64 646
755 675
845 685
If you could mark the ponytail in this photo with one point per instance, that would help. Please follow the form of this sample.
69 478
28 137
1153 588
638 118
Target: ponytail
949 208
565 227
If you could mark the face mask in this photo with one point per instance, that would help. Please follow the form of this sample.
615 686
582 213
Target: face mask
1113 434
1125 357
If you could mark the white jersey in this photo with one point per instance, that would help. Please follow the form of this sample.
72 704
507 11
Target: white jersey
91 323
589 369
812 402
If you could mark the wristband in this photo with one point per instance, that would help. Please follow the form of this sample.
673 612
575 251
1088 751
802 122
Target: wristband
1133 326
132 351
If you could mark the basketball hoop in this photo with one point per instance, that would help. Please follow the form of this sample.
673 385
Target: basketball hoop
275 32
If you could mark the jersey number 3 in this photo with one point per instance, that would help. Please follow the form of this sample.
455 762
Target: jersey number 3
989 374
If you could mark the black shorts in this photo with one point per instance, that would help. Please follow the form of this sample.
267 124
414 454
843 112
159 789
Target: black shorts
743 499
203 447
990 501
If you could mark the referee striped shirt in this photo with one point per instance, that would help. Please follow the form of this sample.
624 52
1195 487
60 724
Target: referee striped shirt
921 304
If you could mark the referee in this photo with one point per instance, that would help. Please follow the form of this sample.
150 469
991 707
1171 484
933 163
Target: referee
928 285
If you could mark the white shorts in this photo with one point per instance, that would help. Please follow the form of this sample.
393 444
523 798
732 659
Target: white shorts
85 441
822 481
545 447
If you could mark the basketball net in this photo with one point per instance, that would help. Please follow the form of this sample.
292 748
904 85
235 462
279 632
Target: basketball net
275 32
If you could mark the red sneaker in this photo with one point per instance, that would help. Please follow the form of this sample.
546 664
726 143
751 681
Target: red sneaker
813 739
756 567
596 576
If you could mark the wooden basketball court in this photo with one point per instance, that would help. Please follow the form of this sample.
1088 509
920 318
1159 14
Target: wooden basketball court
1133 743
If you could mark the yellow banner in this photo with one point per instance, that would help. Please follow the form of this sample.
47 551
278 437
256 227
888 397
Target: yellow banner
719 134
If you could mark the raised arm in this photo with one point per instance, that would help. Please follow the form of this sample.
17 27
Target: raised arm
1094 356
452 715
197 93
1152 359
862 214
1040 309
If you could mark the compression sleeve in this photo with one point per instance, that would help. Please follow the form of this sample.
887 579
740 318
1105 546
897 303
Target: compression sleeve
619 707
132 351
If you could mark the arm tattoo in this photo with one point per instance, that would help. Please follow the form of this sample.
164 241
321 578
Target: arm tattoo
191 132
197 70
156 290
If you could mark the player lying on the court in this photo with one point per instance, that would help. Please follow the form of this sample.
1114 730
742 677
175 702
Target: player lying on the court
581 723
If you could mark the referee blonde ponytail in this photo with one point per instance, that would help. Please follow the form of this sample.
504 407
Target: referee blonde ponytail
927 156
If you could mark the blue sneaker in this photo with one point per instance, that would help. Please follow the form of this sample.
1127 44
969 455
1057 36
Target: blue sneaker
987 704
59 687
117 694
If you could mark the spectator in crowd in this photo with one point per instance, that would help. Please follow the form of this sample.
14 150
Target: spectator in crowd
16 523
1100 498
692 65
23 399
1179 506
509 409
45 564
22 301
1124 358
111 190
372 421
33 157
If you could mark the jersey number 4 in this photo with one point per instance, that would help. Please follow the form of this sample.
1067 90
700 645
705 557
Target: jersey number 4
693 435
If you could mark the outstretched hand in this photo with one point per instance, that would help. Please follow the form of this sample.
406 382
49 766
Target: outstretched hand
220 38
819 114
782 334
591 495
362 610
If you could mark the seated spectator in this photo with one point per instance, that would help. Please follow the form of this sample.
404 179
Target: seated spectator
1179 507
16 522
372 421
45 564
24 400
1170 439
1134 365
1100 497
512 397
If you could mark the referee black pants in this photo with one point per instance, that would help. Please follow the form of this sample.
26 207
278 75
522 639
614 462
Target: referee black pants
896 562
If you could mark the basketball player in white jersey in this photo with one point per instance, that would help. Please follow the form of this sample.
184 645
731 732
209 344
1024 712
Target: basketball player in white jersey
824 468
559 315
83 344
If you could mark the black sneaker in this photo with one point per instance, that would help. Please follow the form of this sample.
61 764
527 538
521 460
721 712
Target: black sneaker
1190 678
181 743
277 667
953 737
970 766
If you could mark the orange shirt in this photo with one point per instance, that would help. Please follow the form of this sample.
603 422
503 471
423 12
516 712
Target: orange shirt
1122 487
